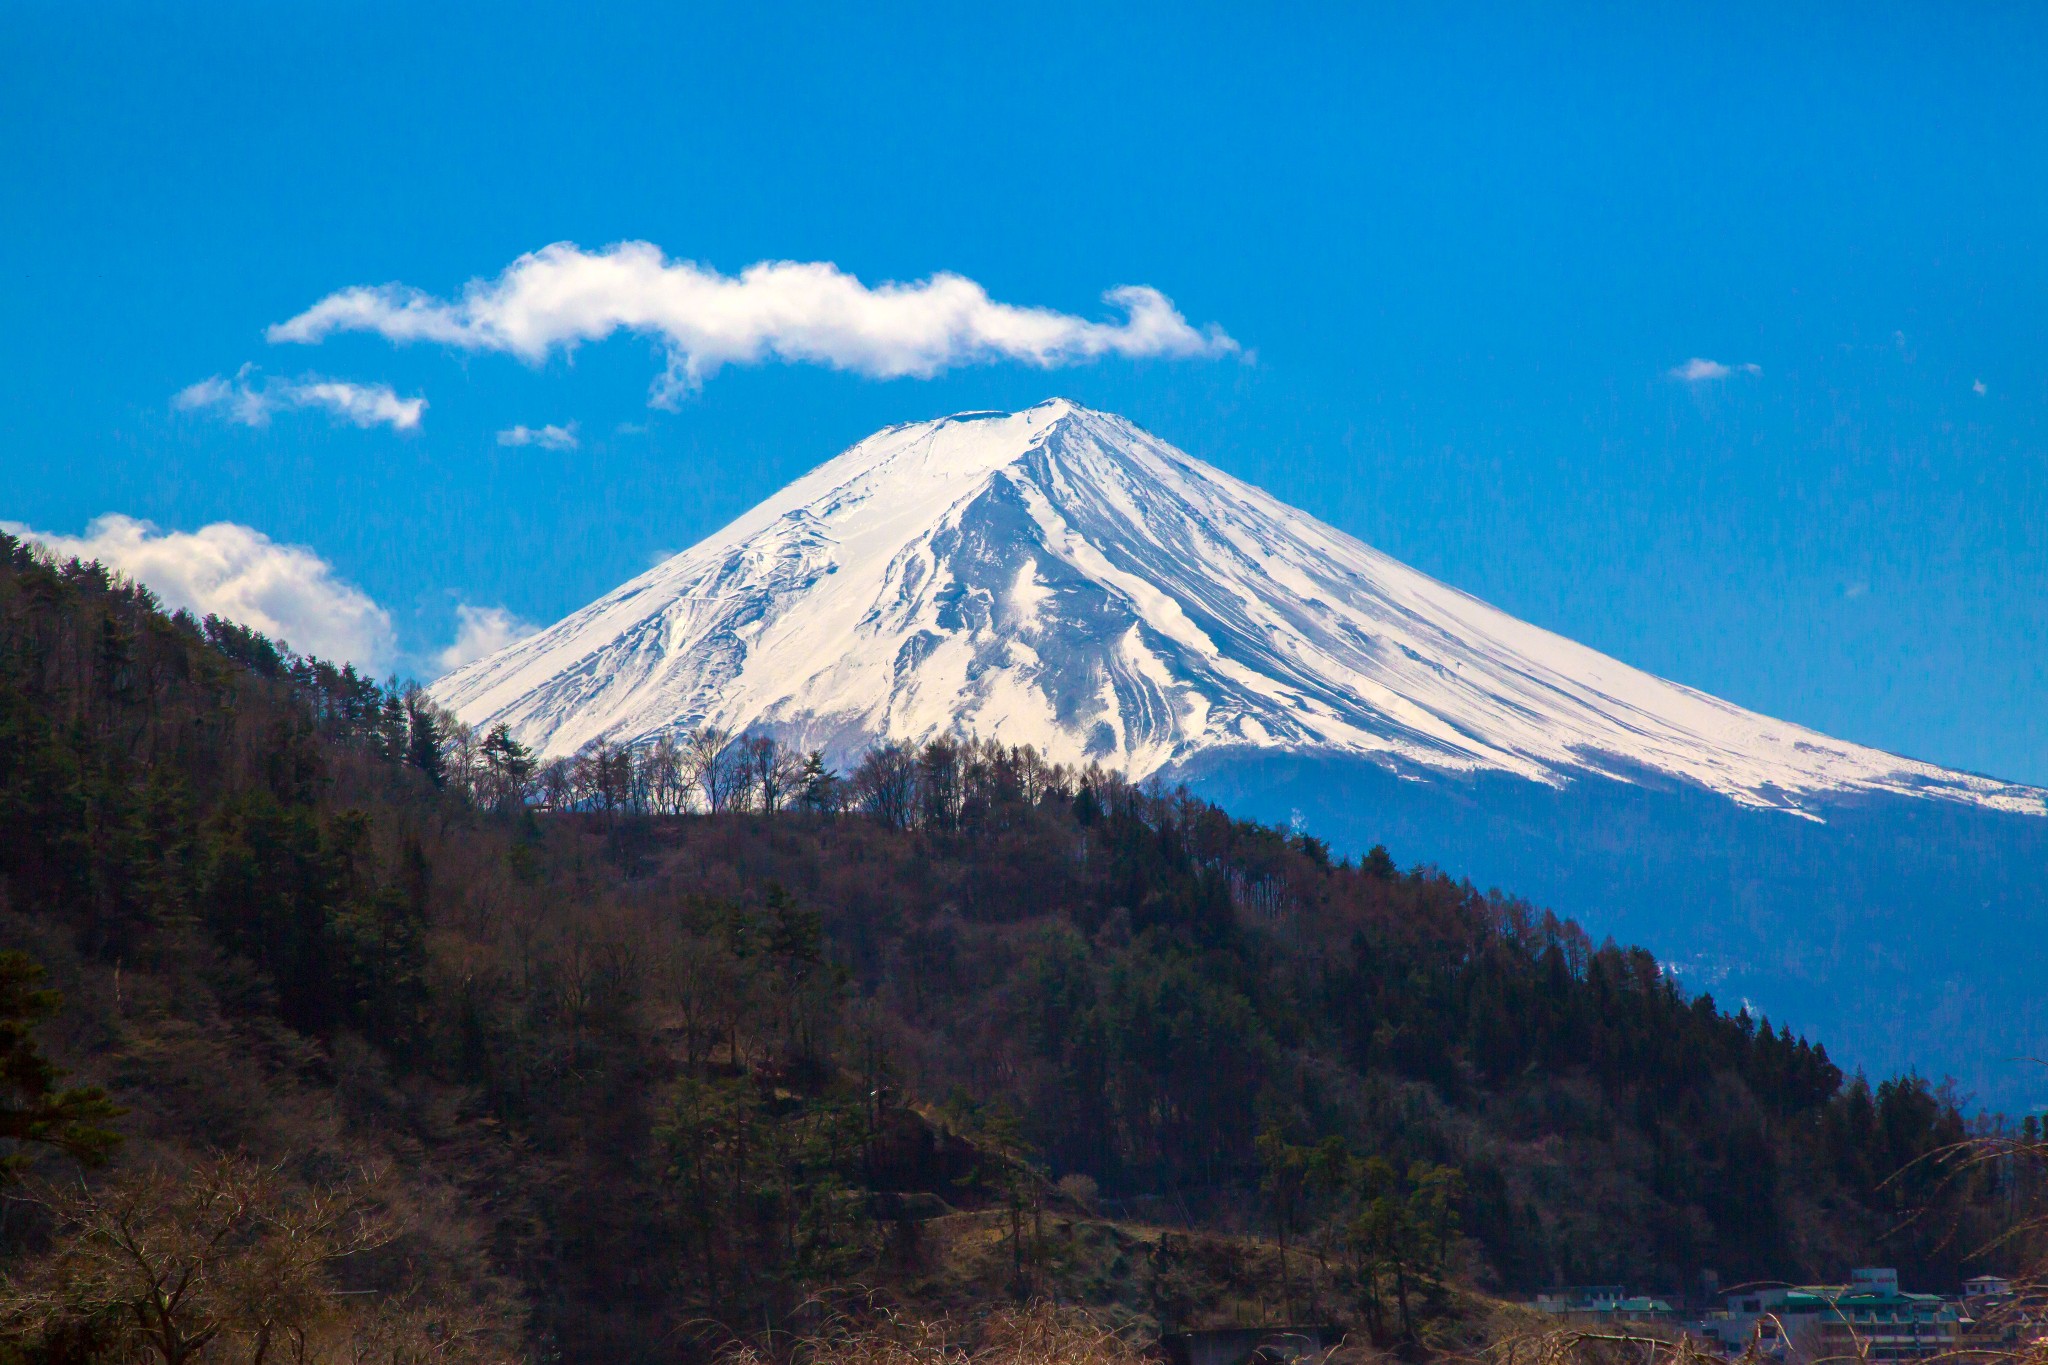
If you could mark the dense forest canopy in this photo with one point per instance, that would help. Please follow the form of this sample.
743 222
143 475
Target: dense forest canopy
688 1032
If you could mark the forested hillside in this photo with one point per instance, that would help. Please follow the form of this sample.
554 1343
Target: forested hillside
586 1066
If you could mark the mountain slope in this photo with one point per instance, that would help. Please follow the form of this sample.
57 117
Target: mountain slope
1061 578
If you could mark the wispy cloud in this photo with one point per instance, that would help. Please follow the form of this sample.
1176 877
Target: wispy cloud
793 311
480 631
1700 370
252 402
286 591
1980 388
549 437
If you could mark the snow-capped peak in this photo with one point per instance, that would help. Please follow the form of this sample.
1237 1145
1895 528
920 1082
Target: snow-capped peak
1059 577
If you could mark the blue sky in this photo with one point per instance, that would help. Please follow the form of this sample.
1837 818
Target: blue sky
1463 253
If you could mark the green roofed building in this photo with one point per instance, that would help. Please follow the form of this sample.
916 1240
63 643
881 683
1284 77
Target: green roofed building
1599 1303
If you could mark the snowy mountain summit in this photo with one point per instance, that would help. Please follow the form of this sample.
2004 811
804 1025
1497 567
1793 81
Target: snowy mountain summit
1061 578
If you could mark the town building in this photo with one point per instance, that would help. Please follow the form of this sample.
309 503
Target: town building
1870 1318
1986 1288
1995 1321
1603 1303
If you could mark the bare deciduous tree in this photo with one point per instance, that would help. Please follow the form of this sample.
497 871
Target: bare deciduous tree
885 784
229 1261
705 756
603 777
728 774
220 1261
666 775
557 785
777 771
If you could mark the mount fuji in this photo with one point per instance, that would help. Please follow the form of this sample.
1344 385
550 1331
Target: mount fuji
1060 577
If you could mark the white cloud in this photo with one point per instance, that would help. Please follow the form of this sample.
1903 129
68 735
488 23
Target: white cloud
480 631
1979 388
794 311
549 437
1701 370
239 401
286 591
251 403
364 404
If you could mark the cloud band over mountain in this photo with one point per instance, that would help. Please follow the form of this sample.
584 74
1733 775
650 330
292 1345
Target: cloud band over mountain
480 631
793 311
286 591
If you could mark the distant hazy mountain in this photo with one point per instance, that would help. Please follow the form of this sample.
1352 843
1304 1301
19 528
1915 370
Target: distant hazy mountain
1061 578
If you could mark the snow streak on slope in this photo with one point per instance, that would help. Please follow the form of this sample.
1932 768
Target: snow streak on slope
1059 577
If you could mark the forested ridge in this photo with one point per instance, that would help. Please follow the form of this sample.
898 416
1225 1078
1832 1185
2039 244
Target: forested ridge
618 1066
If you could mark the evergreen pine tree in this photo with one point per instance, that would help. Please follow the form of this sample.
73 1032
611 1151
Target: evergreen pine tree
424 740
33 1108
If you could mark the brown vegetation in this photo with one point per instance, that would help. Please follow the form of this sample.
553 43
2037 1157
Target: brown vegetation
229 1260
1039 1334
637 1081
